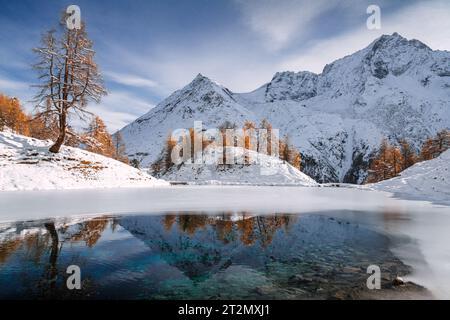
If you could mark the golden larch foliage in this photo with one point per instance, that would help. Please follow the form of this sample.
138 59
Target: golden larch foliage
98 140
12 115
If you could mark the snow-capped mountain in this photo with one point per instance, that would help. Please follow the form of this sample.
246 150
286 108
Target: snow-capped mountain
394 88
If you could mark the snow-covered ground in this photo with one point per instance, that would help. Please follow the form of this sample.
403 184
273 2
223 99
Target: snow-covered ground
427 180
26 164
266 170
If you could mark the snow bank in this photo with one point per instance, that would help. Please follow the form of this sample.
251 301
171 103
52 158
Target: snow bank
427 180
26 164
267 170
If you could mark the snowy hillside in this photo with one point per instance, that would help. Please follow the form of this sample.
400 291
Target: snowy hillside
394 88
202 100
428 180
26 164
266 171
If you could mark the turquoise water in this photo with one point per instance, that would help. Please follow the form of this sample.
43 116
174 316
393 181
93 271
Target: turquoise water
193 256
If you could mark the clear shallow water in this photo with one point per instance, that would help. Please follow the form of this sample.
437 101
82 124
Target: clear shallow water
196 255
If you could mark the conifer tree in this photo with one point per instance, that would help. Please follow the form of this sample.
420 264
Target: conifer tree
119 148
170 144
98 139
12 115
408 154
395 161
379 168
435 146
267 126
69 77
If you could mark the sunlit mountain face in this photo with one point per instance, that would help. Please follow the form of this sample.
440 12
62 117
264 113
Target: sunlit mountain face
195 255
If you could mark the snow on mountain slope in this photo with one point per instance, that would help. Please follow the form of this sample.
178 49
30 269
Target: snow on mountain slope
266 171
425 180
394 88
202 100
26 164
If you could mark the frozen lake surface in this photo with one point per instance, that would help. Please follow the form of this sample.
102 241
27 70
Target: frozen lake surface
414 231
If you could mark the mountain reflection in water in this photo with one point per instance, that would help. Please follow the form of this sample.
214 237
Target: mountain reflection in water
193 256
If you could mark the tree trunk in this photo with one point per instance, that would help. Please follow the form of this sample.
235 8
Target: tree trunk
63 108
62 135
53 270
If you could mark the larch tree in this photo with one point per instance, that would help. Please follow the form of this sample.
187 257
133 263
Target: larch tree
12 115
69 77
250 140
426 150
287 152
119 146
44 124
296 160
388 162
408 154
268 127
395 161
98 139
225 143
170 144
379 168
441 142
247 131
435 146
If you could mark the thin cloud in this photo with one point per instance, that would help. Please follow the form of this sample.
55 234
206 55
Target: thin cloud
427 22
119 108
12 85
278 22
18 89
129 80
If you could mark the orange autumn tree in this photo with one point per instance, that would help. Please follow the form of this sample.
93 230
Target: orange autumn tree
265 124
409 155
435 146
388 162
12 115
247 130
170 144
249 133
289 154
243 137
97 138
395 161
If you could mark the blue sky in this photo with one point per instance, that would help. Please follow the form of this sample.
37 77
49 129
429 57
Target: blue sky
146 49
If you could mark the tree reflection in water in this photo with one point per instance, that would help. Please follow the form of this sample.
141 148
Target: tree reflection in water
46 237
195 251
227 224
41 243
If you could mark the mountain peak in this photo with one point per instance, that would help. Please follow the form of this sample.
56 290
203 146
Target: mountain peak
202 81
387 41
200 77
